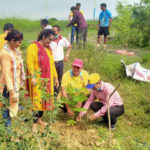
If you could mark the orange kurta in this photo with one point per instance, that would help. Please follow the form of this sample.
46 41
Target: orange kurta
33 68
7 77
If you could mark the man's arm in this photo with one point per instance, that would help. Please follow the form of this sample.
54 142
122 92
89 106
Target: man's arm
69 18
87 105
69 110
73 21
109 89
110 21
98 24
67 53
68 46
101 112
110 17
68 50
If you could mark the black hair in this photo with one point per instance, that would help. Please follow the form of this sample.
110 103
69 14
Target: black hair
44 22
78 4
45 33
14 35
73 8
8 26
103 5
57 26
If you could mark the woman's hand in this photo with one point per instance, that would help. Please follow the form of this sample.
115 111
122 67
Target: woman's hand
56 83
33 81
14 96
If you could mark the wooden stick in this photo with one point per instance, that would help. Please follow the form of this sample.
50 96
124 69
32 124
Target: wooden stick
108 114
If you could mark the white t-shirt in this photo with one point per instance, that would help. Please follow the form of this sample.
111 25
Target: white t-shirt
58 48
48 27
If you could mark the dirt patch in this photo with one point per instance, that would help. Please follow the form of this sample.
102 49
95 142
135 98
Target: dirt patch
76 137
79 137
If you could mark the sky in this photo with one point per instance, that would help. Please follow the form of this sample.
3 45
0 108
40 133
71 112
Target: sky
37 9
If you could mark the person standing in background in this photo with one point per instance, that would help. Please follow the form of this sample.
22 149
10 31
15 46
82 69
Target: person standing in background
7 28
57 47
81 24
104 23
45 24
74 28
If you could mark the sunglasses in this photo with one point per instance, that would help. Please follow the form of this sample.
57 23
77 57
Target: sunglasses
50 39
76 67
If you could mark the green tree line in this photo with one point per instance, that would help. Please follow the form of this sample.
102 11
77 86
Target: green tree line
132 25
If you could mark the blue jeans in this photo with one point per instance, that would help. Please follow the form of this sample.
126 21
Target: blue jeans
73 30
6 117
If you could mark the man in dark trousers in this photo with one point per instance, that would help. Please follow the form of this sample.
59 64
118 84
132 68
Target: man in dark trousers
79 19
74 28
101 91
59 56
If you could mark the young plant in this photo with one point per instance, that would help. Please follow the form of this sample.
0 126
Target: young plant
75 96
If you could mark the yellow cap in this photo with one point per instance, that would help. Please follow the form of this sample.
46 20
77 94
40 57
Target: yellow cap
93 79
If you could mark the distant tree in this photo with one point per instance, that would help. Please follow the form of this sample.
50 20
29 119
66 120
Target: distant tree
126 33
141 14
53 19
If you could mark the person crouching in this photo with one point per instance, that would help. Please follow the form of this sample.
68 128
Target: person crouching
102 91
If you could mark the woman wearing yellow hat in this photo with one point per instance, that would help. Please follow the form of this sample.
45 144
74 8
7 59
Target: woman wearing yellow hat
101 91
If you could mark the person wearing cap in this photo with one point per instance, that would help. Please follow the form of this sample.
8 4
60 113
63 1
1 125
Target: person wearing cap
101 91
45 24
104 23
7 28
57 47
77 78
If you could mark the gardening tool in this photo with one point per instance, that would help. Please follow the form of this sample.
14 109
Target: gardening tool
108 113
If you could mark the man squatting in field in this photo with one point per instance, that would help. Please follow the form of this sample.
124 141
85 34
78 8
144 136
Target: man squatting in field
102 91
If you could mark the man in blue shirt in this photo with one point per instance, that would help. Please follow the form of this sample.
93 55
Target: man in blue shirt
105 19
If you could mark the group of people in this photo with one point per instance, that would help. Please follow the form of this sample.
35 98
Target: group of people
79 26
45 60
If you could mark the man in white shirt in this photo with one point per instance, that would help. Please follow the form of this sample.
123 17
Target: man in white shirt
45 24
57 47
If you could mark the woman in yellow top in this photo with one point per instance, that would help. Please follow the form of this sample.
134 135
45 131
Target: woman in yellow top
12 74
39 58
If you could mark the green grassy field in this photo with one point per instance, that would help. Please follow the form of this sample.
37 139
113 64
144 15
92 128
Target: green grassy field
133 128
